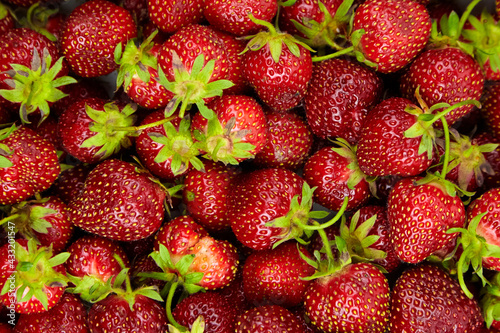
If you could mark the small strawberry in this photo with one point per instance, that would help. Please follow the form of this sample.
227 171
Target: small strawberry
233 16
390 34
28 164
275 276
289 141
172 15
94 129
69 311
91 34
267 318
339 96
425 298
119 201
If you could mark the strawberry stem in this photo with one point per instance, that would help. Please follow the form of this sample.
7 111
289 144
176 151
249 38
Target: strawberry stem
347 50
337 216
446 160
466 15
9 218
168 306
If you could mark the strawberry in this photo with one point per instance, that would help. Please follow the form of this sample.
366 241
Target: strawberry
446 75
233 16
335 173
91 34
69 311
339 96
31 278
6 328
390 34
275 276
31 80
420 212
267 318
45 220
171 15
218 314
425 298
489 110
289 141
70 182
179 235
205 194
278 67
28 164
123 198
92 129
237 132
84 88
145 264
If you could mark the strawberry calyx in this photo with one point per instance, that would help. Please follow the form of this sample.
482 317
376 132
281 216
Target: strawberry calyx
134 61
179 146
198 326
223 144
490 300
296 223
475 248
37 18
35 271
5 151
34 88
191 87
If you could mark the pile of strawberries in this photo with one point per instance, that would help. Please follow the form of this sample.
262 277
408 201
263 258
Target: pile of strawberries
257 166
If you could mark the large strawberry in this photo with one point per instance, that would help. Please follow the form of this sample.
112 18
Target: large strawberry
119 201
91 34
339 96
390 34
427 299
420 212
172 15
28 164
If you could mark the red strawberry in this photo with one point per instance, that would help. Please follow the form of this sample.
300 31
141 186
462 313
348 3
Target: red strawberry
446 75
490 106
218 314
335 173
90 129
6 328
70 182
90 35
394 32
172 15
31 279
278 67
33 73
119 201
69 313
289 141
205 194
236 132
179 235
427 299
45 220
267 318
232 16
353 298
275 276
420 212
340 94
28 164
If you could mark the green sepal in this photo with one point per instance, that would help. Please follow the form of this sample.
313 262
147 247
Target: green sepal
149 292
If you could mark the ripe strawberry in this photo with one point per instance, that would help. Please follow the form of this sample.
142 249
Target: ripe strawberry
233 16
179 235
427 299
267 318
31 279
218 314
446 75
32 75
339 96
394 32
172 15
336 174
69 313
490 106
289 141
274 276
45 220
91 34
386 147
420 211
236 132
119 201
278 67
6 328
91 130
70 182
355 298
205 194
28 164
